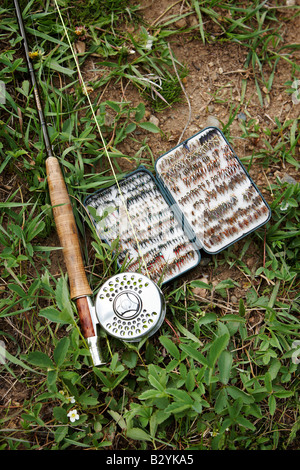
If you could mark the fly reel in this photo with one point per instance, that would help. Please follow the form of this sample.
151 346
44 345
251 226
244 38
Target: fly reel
129 306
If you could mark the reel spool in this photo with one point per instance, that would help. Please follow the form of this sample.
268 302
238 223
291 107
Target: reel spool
130 306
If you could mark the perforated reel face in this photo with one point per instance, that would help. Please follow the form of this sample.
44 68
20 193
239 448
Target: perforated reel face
130 306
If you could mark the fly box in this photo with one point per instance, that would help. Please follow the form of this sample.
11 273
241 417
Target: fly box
202 198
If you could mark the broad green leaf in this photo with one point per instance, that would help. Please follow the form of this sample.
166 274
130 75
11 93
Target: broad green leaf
217 346
183 370
274 368
54 65
226 284
6 356
150 394
149 126
138 434
114 361
35 228
87 399
118 418
36 33
194 353
242 310
129 358
284 394
268 382
201 284
119 379
274 295
79 444
180 395
253 410
57 316
17 289
177 407
60 433
113 105
62 294
187 333
233 318
245 423
272 404
51 379
61 350
173 364
235 409
130 128
236 393
72 377
40 359
190 381
225 363
30 418
155 383
208 318
170 347
226 424
158 417
197 407
140 112
105 380
221 401
292 160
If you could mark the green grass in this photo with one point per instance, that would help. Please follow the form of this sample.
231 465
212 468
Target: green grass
219 374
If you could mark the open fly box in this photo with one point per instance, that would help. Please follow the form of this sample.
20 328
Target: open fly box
202 198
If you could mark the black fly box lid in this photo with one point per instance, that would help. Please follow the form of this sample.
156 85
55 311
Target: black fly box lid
202 198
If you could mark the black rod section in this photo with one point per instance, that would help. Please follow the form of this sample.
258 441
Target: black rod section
33 80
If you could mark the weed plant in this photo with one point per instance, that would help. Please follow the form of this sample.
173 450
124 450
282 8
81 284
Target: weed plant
219 375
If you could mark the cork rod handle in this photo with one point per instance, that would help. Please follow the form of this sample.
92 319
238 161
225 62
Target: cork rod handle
66 229
68 237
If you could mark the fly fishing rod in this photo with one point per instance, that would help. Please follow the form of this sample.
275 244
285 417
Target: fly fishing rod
122 309
66 228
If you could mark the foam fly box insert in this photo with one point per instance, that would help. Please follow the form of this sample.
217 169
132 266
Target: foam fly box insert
201 198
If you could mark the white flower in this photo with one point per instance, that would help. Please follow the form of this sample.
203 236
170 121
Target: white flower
73 415
148 45
284 206
71 399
